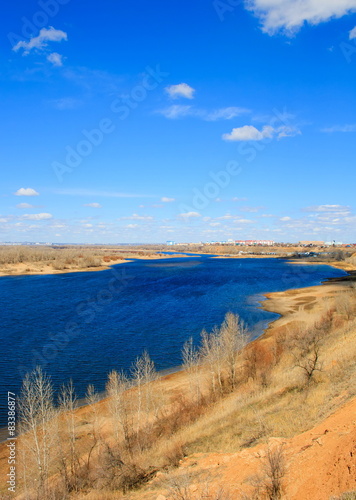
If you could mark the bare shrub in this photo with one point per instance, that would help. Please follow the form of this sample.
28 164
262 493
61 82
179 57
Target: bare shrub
174 454
307 344
344 305
180 488
268 483
275 470
258 360
348 495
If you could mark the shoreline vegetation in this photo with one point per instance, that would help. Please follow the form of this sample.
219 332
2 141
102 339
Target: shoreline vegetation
18 260
227 426
34 260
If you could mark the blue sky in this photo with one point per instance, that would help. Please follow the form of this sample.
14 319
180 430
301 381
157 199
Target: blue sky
189 121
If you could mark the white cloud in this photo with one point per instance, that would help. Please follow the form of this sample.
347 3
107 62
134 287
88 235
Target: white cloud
55 58
164 199
290 15
41 41
180 111
137 217
188 215
132 226
225 217
251 133
180 90
42 216
24 205
352 34
340 128
285 219
26 192
92 205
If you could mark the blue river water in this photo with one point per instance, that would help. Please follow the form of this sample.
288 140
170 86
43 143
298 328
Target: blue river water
79 326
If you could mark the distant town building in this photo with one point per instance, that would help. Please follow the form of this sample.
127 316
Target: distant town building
254 242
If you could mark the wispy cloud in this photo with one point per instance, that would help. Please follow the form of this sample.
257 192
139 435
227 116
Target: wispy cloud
225 113
167 200
340 128
92 205
137 217
189 215
25 205
64 103
104 194
251 209
40 42
180 90
290 15
42 216
251 133
26 192
330 209
352 34
176 111
181 111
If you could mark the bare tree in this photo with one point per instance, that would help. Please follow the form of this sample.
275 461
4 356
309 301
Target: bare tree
220 349
92 399
190 357
233 337
117 387
211 356
69 455
143 374
38 423
307 346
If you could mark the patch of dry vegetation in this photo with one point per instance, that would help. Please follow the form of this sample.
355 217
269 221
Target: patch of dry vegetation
23 259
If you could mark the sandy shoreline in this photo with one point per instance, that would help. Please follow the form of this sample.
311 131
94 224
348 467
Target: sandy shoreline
45 269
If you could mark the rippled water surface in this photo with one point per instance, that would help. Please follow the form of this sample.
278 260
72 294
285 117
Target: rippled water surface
81 325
